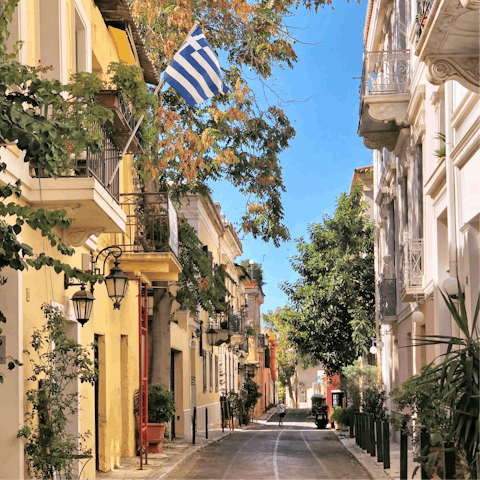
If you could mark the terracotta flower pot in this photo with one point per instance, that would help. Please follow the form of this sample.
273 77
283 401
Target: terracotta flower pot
156 432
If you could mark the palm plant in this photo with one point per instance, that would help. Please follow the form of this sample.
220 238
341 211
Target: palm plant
457 377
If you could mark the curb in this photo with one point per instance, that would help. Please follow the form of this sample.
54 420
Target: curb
191 451
376 472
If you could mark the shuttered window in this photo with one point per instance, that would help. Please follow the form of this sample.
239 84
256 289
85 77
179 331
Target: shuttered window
216 373
204 354
210 370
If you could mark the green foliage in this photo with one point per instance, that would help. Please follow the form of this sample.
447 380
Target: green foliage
422 401
440 152
199 282
334 299
257 272
457 378
251 331
161 404
362 389
342 416
60 362
244 402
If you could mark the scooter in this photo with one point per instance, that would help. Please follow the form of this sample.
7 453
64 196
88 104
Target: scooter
321 416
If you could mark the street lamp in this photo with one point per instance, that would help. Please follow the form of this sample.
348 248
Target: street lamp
451 287
212 336
82 305
116 282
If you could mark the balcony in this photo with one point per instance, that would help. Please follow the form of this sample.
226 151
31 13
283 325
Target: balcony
123 122
388 297
411 269
230 328
384 97
150 241
89 191
447 41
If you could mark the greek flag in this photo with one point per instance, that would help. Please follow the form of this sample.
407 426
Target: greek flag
194 71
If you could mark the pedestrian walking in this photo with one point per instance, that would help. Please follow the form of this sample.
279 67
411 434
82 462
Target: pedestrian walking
281 410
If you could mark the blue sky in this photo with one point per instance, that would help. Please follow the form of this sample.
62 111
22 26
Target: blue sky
319 164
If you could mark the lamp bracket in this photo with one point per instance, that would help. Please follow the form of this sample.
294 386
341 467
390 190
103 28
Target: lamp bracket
114 250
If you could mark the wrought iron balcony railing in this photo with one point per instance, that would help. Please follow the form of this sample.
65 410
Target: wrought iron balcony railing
152 223
123 122
385 73
423 9
232 321
388 297
98 165
411 267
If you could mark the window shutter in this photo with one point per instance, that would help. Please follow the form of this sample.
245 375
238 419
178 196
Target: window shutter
210 372
216 373
204 371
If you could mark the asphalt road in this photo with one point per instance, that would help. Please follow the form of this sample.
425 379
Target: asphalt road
295 451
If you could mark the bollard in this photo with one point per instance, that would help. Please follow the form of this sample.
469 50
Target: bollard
206 423
403 453
352 434
372 434
386 445
378 428
449 462
424 443
194 421
222 417
367 433
356 429
364 432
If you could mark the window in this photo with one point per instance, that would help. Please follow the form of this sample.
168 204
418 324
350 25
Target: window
216 373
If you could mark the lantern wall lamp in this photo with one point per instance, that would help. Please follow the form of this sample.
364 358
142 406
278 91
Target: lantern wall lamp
116 282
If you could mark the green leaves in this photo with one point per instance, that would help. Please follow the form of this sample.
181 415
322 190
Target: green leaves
334 299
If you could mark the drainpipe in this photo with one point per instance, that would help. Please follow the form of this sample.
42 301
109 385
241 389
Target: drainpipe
451 212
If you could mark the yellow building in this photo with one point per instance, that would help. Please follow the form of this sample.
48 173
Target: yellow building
72 36
204 371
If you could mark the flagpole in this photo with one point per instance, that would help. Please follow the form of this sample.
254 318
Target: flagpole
160 85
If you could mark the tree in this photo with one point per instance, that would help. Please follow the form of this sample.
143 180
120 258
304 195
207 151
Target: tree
48 143
60 362
334 298
287 356
257 270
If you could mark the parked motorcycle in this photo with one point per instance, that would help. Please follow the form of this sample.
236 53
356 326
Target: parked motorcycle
320 410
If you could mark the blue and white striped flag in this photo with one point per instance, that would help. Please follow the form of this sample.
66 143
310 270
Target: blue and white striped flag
194 71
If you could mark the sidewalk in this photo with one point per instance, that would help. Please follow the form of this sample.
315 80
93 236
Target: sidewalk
375 468
161 464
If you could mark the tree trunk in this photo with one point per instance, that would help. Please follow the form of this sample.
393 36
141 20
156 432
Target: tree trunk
159 348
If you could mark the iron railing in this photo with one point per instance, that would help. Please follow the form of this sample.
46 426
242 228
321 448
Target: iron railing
423 9
152 224
411 267
388 297
98 165
232 321
385 73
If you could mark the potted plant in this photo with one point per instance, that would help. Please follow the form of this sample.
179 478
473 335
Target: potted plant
161 409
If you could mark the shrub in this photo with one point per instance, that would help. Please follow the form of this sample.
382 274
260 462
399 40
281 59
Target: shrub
161 404
342 416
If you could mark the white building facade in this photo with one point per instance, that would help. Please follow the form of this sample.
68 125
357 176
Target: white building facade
420 114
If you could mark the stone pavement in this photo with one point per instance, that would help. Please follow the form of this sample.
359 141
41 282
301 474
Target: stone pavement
174 453
375 468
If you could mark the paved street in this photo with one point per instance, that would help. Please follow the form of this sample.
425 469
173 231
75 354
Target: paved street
296 451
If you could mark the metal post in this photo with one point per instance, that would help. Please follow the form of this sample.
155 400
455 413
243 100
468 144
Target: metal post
366 439
424 443
372 434
206 423
386 445
356 427
403 453
194 422
352 434
222 416
449 462
378 427
362 431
